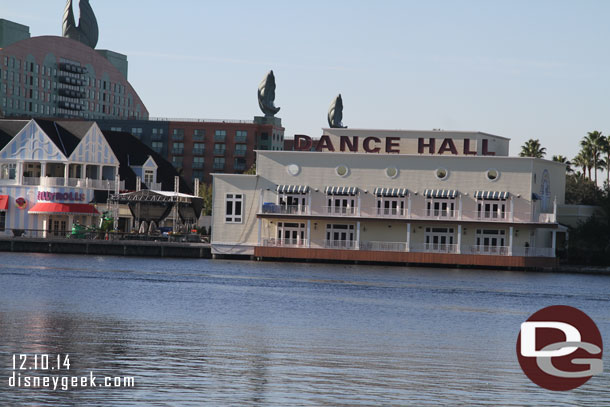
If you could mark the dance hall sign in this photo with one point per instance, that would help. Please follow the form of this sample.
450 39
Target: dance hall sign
393 145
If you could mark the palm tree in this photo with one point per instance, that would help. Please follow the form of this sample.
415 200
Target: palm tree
594 140
606 159
562 159
532 148
581 162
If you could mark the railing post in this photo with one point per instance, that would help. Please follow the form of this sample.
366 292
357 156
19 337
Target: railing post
512 208
408 243
458 249
409 206
358 203
308 233
358 235
510 241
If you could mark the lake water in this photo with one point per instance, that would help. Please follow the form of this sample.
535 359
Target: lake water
221 332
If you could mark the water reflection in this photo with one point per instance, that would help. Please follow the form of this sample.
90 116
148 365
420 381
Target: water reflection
198 332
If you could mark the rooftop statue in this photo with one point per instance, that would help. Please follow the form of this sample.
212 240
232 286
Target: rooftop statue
87 30
266 95
335 113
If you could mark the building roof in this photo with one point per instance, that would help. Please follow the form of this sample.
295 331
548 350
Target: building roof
9 129
409 133
63 139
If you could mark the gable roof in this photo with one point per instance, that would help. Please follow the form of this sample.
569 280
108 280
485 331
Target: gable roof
9 129
63 139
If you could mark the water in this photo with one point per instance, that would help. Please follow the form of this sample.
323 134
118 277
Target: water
203 332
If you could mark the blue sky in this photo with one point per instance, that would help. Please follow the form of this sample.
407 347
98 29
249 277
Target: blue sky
519 69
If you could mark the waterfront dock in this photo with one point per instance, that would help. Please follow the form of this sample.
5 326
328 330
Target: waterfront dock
106 247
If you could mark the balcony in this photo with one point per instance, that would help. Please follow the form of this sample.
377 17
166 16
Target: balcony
219 151
435 248
239 153
157 137
492 216
285 242
240 139
285 209
340 211
384 246
197 165
198 151
177 137
339 244
439 214
220 138
155 186
177 151
390 212
219 166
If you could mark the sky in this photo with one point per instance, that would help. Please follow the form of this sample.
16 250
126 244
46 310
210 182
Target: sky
518 69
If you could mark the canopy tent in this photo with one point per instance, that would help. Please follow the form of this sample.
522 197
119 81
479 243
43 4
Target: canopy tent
155 206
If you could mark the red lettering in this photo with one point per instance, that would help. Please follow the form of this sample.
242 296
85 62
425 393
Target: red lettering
302 142
350 145
421 146
39 195
392 144
485 148
447 145
325 144
367 145
467 150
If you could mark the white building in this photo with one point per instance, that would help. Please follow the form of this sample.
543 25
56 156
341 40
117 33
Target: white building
462 201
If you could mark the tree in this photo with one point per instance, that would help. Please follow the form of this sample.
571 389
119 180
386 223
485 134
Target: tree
205 191
251 170
581 161
562 159
532 148
593 142
606 159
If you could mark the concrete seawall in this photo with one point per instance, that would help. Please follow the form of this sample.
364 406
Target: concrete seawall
106 247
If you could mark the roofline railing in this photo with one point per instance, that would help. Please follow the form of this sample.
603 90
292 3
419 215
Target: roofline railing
192 120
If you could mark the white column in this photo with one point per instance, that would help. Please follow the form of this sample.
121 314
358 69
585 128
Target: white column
555 210
308 233
66 173
19 176
260 226
283 240
309 202
358 203
459 236
43 170
512 208
260 202
510 241
460 208
408 247
357 235
382 207
70 222
45 226
554 241
409 207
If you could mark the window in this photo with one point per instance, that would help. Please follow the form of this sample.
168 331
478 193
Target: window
2 221
177 161
219 163
241 136
234 205
116 129
198 148
149 177
157 146
240 150
198 174
441 174
178 148
8 171
219 149
239 164
198 162
342 170
178 134
492 174
198 134
220 135
391 172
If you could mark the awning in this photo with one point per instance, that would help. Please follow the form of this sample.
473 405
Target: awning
3 202
392 192
54 208
491 195
341 190
292 189
440 193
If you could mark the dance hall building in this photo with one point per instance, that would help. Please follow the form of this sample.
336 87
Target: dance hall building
437 197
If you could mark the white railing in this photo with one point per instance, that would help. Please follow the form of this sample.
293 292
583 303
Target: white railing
31 180
546 218
340 211
390 212
285 209
155 186
339 244
285 242
435 248
6 181
384 246
492 215
489 250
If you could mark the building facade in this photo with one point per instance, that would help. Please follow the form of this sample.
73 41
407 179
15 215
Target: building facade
202 147
479 208
50 76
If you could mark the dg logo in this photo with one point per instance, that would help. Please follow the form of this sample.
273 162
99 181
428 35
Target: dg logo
560 348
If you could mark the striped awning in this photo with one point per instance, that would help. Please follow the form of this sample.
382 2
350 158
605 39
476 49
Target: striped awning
491 195
440 193
393 192
341 190
292 189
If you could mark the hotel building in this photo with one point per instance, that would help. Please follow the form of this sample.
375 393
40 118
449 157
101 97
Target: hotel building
393 196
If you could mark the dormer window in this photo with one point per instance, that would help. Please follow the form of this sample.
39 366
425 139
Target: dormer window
149 177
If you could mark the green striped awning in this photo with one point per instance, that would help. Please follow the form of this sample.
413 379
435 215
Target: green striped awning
292 189
341 190
440 193
391 192
491 195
